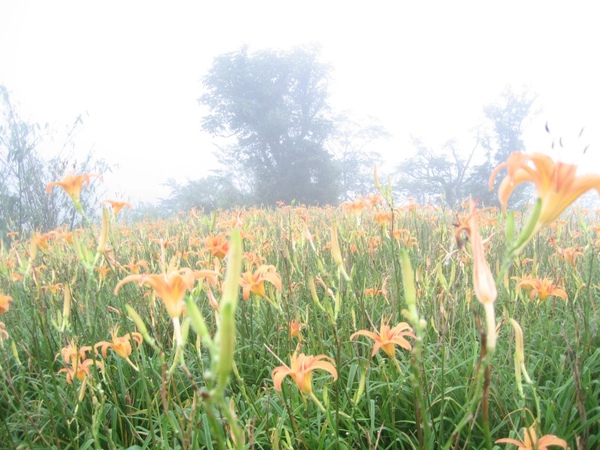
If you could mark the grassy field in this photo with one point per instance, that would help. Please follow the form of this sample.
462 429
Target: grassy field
83 365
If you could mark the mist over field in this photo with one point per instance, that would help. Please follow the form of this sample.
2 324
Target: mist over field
323 226
418 72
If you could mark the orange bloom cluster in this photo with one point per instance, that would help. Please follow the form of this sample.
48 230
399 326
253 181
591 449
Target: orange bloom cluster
403 236
79 365
370 202
217 246
569 254
355 208
41 240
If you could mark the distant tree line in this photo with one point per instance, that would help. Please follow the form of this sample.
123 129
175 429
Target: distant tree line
25 172
448 175
279 140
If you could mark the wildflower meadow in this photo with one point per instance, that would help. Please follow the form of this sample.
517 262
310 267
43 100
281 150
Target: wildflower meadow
368 325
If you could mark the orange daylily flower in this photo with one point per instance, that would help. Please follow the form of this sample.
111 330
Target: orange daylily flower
13 234
76 357
295 328
531 442
388 338
217 246
117 206
374 244
301 371
54 288
80 369
4 306
569 254
411 204
543 288
64 235
16 277
524 281
372 292
374 200
121 345
41 240
134 267
72 184
383 218
253 259
72 351
403 236
255 281
557 183
103 271
355 208
171 287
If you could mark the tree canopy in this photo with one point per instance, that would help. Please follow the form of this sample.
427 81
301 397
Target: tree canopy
451 174
438 176
351 144
507 119
274 105
212 192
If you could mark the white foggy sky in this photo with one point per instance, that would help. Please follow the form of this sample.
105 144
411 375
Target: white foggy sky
134 70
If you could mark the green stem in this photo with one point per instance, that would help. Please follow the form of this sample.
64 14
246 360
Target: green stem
475 399
236 431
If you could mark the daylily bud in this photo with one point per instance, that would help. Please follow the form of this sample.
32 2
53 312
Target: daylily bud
15 353
103 232
313 293
361 388
66 307
376 178
139 323
336 253
335 246
408 281
225 338
483 280
32 250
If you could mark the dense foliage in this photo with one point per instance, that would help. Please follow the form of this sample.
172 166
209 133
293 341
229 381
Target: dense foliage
452 173
27 166
66 382
275 106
